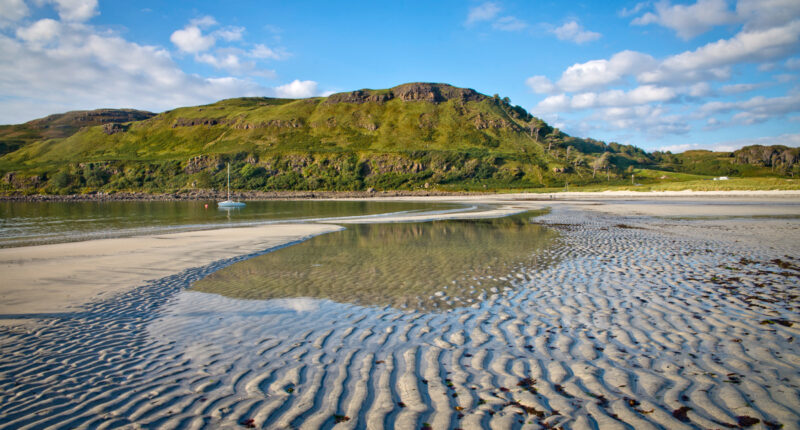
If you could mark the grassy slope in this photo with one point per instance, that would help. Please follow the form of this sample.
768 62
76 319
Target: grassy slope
313 143
401 126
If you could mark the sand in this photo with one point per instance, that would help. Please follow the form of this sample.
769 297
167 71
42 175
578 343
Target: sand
58 278
645 322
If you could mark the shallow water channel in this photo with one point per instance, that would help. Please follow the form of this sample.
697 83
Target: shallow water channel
430 265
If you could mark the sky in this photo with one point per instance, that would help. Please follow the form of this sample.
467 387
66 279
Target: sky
662 75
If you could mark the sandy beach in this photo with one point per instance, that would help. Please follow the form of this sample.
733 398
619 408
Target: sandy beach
660 310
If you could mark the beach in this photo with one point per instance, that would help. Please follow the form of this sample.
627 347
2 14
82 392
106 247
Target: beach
654 310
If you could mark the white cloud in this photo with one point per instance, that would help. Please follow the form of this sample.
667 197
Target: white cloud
509 23
203 22
75 10
264 52
689 21
793 64
700 89
84 69
754 110
191 39
574 32
41 31
540 84
647 119
227 61
712 60
230 34
740 88
625 12
297 89
599 73
761 14
614 98
13 11
553 104
483 12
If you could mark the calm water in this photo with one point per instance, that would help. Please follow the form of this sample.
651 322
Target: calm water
32 223
441 264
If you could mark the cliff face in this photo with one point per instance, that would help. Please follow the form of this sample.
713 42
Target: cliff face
418 91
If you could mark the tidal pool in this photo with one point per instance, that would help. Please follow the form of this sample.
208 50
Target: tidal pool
423 266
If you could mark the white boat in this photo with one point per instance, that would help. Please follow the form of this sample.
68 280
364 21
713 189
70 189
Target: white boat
230 203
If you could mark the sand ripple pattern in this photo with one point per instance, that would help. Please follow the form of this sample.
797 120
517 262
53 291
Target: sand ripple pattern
634 328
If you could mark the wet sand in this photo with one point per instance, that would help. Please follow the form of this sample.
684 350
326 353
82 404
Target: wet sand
644 322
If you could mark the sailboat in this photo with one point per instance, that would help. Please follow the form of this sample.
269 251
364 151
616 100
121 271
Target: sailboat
230 203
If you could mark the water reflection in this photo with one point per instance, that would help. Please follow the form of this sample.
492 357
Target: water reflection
441 264
34 223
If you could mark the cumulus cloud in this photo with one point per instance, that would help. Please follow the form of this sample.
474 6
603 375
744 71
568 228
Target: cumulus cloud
85 70
191 39
227 61
483 12
651 120
52 66
599 73
75 10
13 11
540 84
761 14
758 105
613 98
41 31
574 32
297 89
689 21
711 61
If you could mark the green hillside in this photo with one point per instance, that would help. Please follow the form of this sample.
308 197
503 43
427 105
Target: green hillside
417 135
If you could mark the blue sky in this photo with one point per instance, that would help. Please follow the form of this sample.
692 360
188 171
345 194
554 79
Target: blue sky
715 74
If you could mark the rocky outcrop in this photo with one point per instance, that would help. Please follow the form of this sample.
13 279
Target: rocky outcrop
114 128
202 162
435 93
382 164
239 125
191 122
360 96
418 91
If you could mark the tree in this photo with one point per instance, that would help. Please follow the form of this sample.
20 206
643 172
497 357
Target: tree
535 130
600 163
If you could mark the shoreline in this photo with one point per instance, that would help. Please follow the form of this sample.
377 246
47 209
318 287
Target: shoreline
335 195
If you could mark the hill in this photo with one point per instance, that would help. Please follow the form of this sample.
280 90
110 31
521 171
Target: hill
417 135
13 137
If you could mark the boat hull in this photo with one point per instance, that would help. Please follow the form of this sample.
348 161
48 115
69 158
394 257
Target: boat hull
230 204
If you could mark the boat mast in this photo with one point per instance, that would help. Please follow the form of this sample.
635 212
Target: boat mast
229 181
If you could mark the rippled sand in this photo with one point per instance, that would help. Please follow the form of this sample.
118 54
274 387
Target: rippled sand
641 323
